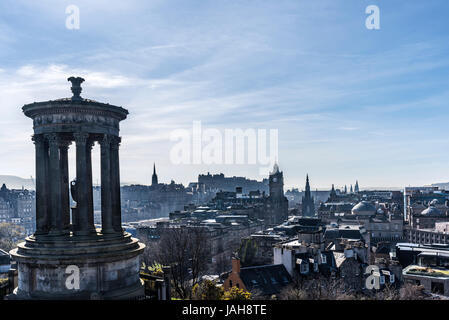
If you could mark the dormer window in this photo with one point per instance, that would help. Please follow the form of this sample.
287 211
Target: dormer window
304 268
323 259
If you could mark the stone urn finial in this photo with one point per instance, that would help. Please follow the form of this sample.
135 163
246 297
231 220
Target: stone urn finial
76 87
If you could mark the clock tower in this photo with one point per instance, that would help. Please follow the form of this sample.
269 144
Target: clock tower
276 183
277 202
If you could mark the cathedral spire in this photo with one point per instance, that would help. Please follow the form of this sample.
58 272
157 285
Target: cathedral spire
154 177
333 194
307 203
307 184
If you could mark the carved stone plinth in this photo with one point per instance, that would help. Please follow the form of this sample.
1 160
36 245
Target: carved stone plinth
108 268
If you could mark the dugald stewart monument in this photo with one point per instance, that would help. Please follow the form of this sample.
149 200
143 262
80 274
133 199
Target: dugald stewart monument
103 263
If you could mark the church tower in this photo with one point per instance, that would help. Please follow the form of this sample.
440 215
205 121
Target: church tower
276 183
333 194
356 188
277 205
154 177
307 203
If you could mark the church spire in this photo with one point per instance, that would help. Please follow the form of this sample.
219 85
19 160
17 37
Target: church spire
333 194
154 181
307 203
307 184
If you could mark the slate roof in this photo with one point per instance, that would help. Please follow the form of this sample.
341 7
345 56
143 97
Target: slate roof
332 234
267 279
5 258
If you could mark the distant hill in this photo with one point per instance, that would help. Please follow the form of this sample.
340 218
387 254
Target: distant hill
442 185
14 182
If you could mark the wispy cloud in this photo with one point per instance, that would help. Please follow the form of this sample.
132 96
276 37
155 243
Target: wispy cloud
343 98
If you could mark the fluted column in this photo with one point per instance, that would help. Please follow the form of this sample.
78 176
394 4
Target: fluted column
65 200
54 170
115 184
83 176
90 196
106 188
42 184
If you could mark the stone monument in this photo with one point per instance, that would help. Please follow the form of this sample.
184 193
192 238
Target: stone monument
67 257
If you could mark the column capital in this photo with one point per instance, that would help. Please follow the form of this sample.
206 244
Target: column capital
54 139
90 144
81 137
64 144
37 138
115 143
106 140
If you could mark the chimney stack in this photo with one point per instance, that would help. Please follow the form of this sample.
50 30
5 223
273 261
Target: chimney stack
235 265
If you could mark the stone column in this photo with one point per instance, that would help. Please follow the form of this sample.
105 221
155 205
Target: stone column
65 200
115 183
42 184
106 188
90 196
83 176
54 171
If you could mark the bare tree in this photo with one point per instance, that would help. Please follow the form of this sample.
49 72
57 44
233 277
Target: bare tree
412 292
10 235
329 288
316 288
187 252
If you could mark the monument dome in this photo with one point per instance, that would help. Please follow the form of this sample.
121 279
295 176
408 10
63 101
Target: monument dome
364 208
431 211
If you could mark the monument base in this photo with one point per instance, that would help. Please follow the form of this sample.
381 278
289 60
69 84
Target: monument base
71 267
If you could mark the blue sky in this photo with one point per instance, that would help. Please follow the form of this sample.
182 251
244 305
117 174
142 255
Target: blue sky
349 103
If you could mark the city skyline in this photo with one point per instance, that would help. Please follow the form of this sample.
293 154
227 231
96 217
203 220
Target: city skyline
349 103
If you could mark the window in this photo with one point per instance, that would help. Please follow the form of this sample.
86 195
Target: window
230 283
437 287
304 268
323 259
382 279
392 278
